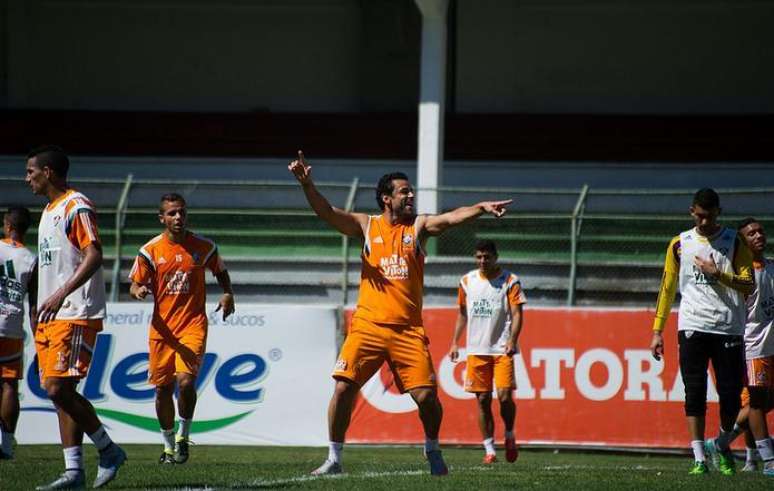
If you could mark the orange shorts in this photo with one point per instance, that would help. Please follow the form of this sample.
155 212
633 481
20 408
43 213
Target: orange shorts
64 347
482 369
182 355
760 372
404 348
11 354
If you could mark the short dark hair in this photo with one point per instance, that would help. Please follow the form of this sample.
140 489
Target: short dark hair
384 186
706 198
486 245
170 197
745 222
19 218
52 157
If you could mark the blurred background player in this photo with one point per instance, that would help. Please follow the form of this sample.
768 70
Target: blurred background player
712 266
18 277
759 352
171 267
387 323
71 307
490 300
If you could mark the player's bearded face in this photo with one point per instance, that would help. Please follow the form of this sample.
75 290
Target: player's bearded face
402 199
173 215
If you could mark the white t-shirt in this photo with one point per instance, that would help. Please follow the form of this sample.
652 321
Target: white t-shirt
758 334
17 264
488 303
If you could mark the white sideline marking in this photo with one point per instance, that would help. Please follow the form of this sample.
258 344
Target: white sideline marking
361 475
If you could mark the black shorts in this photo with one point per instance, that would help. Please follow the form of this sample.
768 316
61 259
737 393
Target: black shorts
697 349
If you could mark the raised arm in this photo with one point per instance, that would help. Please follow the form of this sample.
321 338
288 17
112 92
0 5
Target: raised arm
436 224
351 224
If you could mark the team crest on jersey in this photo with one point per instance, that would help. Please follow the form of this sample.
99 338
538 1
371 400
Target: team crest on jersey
341 365
408 239
162 260
56 220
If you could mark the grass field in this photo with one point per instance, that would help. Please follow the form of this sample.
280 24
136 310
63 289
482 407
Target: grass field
374 468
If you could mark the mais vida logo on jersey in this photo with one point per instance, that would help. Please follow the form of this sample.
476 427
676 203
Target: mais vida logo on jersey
235 379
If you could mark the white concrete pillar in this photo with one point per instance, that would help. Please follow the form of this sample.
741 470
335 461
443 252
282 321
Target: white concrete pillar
432 97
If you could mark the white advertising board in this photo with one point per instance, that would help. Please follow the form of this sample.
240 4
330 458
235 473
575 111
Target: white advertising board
265 379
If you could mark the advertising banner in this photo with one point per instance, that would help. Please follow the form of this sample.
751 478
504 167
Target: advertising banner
584 376
264 379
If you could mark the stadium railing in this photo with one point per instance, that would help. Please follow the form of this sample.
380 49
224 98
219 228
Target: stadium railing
576 243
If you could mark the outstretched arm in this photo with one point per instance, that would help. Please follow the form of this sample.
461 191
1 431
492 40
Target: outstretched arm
347 223
436 224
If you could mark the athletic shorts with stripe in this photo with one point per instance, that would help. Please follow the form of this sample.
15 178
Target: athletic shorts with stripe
65 347
404 348
11 354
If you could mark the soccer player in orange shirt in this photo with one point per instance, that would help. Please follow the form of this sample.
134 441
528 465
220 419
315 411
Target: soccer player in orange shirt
71 307
171 267
387 324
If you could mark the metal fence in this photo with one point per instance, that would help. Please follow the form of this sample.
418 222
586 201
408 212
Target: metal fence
570 246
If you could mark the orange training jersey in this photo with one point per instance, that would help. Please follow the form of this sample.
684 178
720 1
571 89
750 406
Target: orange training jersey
175 274
392 274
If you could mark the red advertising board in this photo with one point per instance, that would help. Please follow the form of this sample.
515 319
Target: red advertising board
584 376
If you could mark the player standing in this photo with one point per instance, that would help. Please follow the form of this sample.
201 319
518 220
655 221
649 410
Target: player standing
71 308
712 266
171 267
387 324
490 303
759 349
18 277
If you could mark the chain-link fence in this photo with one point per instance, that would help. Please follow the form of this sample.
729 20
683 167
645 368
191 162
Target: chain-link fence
570 246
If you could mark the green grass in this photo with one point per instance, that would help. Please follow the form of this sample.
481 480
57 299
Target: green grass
388 468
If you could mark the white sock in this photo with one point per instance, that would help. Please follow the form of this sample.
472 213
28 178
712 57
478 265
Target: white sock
698 450
73 457
7 443
168 437
489 446
765 449
724 439
334 451
100 438
751 454
510 434
432 445
185 429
